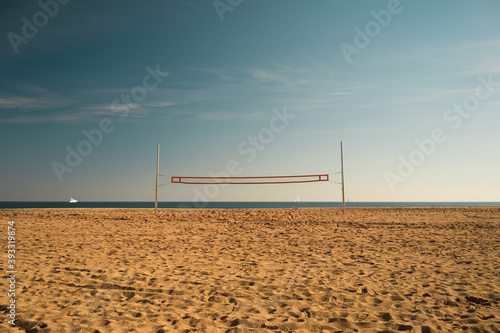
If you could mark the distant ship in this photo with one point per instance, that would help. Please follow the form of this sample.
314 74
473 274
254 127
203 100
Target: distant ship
297 199
72 200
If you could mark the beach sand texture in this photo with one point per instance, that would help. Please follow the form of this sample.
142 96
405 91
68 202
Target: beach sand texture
255 270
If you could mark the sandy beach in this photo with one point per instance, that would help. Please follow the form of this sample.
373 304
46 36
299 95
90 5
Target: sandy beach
255 270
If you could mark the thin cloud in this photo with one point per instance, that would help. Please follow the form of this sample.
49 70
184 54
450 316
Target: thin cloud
29 104
467 59
160 104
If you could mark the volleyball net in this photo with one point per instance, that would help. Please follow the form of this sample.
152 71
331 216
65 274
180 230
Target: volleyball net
250 180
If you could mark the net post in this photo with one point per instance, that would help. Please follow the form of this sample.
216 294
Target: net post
156 185
342 169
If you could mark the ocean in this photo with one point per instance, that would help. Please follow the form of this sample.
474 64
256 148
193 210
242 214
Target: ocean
230 205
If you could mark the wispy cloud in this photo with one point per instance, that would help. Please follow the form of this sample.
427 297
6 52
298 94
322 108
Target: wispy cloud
312 88
134 110
263 75
462 59
160 104
20 103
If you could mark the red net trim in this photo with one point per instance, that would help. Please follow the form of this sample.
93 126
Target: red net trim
246 180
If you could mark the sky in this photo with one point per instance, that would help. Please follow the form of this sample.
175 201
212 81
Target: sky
250 88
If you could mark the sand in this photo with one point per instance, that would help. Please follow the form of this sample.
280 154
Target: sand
255 270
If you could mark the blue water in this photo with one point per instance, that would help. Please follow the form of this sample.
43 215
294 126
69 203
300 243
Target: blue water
145 204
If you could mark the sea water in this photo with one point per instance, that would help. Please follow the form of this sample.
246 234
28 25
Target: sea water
230 205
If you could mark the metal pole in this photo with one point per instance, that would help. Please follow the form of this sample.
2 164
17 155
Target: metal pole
342 162
156 186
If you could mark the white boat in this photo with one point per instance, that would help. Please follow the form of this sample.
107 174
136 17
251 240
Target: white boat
297 199
73 200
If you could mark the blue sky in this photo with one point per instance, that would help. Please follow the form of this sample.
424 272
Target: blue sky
227 79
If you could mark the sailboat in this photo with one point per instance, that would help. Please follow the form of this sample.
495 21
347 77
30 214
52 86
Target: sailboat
73 200
297 199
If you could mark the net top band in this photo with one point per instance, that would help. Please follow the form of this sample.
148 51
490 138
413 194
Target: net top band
251 180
